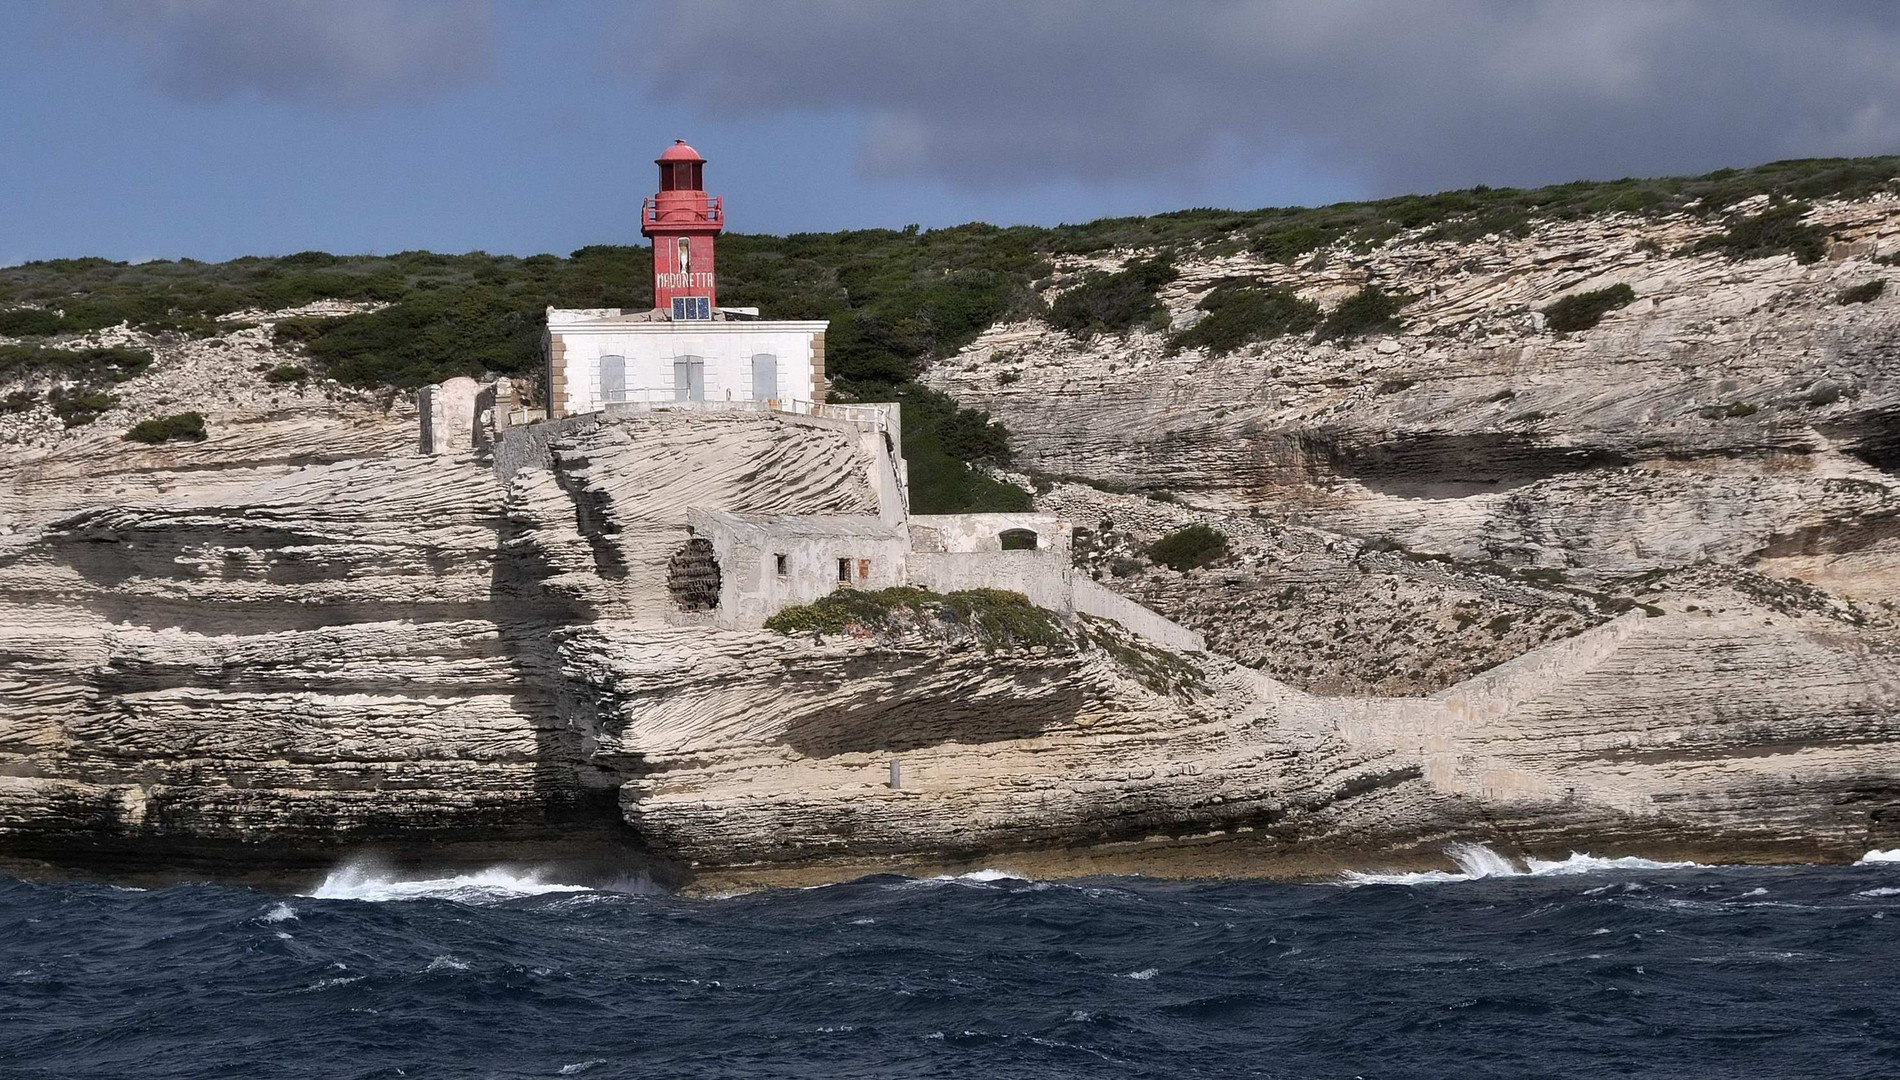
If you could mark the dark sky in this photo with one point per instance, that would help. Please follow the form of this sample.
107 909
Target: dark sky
213 128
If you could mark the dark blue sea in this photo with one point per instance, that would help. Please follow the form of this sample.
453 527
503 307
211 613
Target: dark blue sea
1583 968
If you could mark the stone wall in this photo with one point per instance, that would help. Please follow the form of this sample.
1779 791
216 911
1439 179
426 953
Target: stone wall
983 532
1093 599
767 564
1046 583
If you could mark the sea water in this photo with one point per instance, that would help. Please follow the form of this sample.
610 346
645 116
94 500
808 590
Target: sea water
1580 967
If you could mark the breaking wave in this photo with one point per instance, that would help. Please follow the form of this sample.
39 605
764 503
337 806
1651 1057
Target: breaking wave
495 884
1891 855
1476 862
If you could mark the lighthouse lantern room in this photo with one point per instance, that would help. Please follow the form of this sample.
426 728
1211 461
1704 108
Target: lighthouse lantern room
686 349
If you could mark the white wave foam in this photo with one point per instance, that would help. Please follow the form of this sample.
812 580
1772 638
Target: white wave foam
581 1066
1475 862
990 875
977 878
1579 863
447 963
1892 855
485 886
1143 975
280 913
1878 892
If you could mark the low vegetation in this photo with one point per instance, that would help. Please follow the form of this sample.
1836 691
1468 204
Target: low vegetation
995 617
1775 231
944 447
1115 303
1369 311
1189 548
286 373
185 427
87 365
1864 293
1581 311
32 322
1238 315
77 406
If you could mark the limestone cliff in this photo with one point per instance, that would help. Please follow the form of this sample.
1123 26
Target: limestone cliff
1485 581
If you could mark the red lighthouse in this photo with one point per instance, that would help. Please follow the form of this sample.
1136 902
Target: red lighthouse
682 221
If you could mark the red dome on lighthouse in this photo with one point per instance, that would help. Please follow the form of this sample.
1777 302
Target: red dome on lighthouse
679 151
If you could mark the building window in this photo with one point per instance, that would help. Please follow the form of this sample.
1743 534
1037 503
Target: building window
692 307
1017 539
783 565
844 569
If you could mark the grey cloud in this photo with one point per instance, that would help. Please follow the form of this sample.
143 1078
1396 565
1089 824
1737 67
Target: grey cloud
333 52
1397 94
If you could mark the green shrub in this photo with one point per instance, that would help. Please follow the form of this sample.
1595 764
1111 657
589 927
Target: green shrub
1368 311
1002 617
186 426
18 401
1284 245
286 373
1865 293
1237 316
995 616
77 405
32 322
300 329
941 439
871 609
89 365
1772 232
1114 303
1185 549
1581 311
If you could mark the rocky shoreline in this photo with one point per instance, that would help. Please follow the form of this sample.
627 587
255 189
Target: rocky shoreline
1627 591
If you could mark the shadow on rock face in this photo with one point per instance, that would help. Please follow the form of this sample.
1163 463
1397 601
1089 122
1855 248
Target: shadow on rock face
1443 466
941 711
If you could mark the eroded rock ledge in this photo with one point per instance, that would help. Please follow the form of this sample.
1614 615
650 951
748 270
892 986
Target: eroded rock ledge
1443 616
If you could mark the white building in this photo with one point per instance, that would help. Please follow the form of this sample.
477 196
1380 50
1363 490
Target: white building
598 356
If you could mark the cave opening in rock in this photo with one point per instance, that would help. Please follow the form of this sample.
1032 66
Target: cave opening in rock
692 576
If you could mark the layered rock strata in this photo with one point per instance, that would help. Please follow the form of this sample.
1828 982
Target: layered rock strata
1558 617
